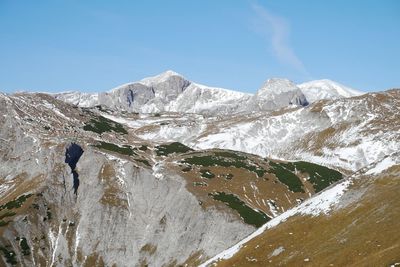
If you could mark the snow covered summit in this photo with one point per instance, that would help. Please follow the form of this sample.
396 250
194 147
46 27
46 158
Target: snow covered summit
326 89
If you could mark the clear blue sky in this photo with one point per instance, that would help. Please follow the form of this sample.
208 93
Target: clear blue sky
59 45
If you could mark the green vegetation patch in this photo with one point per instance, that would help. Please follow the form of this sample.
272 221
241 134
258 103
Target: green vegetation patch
320 176
187 169
26 250
207 174
48 213
16 203
9 255
101 124
144 161
219 159
125 150
250 216
286 176
175 147
143 148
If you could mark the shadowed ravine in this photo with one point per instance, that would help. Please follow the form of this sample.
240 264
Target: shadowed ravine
72 156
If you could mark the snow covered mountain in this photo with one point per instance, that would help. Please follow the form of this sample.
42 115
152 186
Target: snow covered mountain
171 92
326 89
168 91
276 94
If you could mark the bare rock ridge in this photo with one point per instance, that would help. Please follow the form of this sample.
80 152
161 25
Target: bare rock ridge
171 92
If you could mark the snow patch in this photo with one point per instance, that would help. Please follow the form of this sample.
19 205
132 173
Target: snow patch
277 251
381 166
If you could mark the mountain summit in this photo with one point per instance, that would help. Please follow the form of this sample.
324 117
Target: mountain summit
326 89
278 93
162 77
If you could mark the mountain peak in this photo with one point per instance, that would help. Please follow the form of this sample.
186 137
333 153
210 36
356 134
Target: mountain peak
277 86
162 77
326 89
170 73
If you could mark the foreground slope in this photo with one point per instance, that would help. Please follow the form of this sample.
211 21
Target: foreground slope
354 223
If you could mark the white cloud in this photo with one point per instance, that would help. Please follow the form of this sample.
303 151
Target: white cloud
276 30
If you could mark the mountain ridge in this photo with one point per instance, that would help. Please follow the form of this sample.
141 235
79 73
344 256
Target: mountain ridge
161 92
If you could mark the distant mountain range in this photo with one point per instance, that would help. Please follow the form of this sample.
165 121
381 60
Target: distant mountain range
171 92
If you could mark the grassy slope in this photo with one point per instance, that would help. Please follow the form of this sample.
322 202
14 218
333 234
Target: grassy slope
363 234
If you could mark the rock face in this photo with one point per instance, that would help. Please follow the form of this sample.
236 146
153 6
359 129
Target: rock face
124 211
278 93
137 218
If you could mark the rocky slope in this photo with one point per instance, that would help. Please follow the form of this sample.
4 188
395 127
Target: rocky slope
346 133
79 189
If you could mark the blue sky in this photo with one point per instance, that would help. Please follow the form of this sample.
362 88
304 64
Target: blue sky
89 46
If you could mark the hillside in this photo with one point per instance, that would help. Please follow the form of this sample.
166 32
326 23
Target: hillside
357 226
75 184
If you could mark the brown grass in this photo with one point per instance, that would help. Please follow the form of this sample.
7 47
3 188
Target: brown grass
149 249
364 234
112 191
241 185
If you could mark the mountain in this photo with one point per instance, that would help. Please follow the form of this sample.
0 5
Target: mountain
167 172
345 133
171 92
278 93
168 91
80 189
326 89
